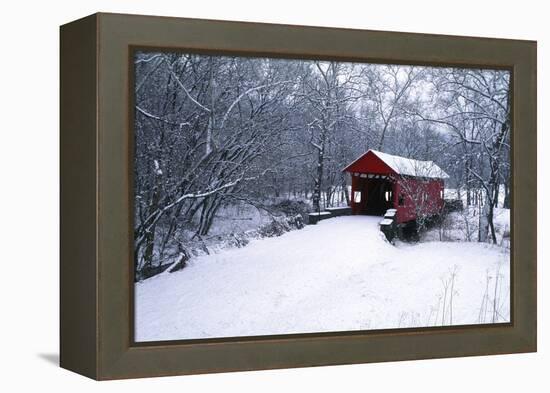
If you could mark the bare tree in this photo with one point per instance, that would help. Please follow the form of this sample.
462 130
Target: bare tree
391 90
475 106
330 90
212 132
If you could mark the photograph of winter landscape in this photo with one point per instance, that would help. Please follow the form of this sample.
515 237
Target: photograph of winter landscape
288 196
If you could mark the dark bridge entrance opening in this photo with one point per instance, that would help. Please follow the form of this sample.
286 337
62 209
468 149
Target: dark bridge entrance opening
373 196
379 196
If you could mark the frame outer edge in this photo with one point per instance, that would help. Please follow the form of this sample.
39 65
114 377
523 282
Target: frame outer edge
118 358
78 197
524 185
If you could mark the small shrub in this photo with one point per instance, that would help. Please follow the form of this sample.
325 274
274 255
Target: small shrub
272 229
292 208
237 240
278 226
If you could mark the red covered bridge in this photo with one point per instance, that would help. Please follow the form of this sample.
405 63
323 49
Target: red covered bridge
381 181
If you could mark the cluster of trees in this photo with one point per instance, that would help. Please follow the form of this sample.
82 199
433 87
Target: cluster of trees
474 107
212 131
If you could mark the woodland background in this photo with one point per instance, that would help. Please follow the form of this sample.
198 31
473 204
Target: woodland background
214 133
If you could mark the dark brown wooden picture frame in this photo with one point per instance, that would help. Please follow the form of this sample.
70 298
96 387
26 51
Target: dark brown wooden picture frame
96 232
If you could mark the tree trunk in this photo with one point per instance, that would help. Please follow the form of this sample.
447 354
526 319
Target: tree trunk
319 176
490 215
468 182
150 234
209 209
483 226
506 202
344 188
328 200
211 115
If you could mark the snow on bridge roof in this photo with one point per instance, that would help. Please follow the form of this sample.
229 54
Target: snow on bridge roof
411 167
408 166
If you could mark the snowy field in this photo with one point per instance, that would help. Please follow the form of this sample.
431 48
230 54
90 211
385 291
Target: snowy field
337 275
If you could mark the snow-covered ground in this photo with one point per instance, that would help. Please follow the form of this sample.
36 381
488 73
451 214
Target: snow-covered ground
464 226
337 275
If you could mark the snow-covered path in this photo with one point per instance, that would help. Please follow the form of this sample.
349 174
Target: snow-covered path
337 275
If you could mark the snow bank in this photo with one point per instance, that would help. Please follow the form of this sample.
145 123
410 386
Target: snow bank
334 276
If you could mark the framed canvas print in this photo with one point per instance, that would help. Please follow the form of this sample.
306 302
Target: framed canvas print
240 196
